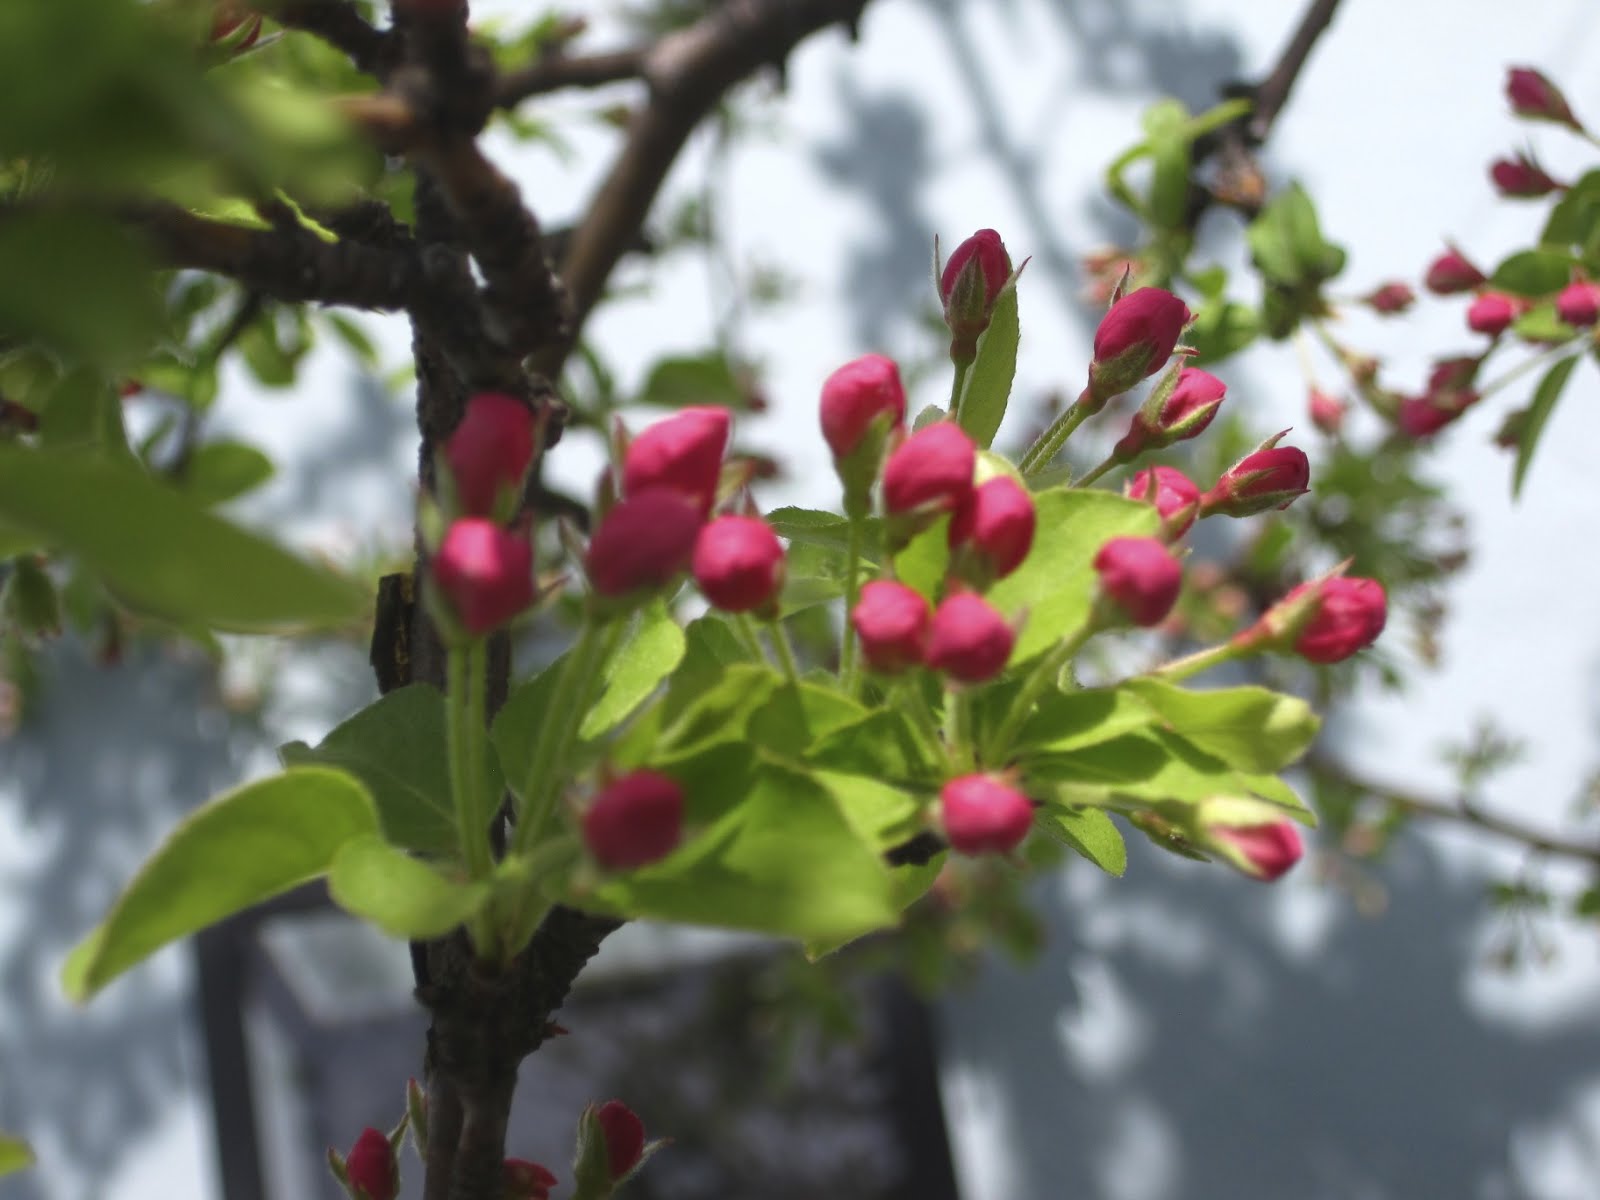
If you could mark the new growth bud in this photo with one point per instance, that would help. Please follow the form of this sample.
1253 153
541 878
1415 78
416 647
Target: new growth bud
972 281
489 454
644 542
969 640
1492 313
1579 304
1390 298
371 1172
991 531
1177 416
1535 97
682 454
738 564
892 622
1521 178
1134 341
930 472
855 397
1452 273
485 574
634 821
1141 578
1177 498
1271 477
984 815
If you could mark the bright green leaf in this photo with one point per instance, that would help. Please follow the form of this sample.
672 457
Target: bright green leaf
223 470
924 563
881 745
1065 721
396 747
794 718
652 650
1056 584
1533 273
1221 329
15 1154
1089 831
988 386
676 382
1250 728
399 893
160 553
244 847
1537 416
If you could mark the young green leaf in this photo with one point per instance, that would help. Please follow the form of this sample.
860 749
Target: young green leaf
1088 831
399 893
652 650
1538 414
1250 728
242 848
15 1154
988 386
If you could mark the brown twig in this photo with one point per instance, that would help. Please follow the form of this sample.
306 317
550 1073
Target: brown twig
1272 93
340 24
689 71
1459 811
560 71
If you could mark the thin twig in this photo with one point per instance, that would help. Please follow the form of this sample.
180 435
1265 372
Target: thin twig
557 72
1272 93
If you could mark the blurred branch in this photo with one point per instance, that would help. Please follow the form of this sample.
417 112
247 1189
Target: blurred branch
689 71
1272 93
556 72
340 24
1461 811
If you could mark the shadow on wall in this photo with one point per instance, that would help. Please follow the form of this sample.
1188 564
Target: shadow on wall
1106 45
1174 1044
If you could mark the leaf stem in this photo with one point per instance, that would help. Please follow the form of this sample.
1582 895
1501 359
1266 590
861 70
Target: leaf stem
780 639
1050 442
1045 670
1528 365
562 719
1200 660
852 596
1109 464
752 642
958 729
958 388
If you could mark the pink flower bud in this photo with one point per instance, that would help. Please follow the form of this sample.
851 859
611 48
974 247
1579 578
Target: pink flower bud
1183 415
995 526
371 1167
1423 416
1141 577
524 1180
1273 477
634 821
490 452
624 1133
683 453
983 815
1177 498
1579 304
1453 374
1134 341
738 563
969 640
1390 298
1264 852
1521 178
1327 411
1534 96
643 542
1350 615
485 573
930 471
971 282
1492 313
892 622
1451 273
865 390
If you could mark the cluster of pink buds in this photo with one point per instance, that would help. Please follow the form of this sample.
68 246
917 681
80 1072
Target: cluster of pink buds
482 569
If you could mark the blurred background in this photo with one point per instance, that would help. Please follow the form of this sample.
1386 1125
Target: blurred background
1178 1035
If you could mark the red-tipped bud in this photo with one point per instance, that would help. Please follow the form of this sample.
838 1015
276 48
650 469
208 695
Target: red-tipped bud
1492 313
1521 178
1350 614
984 815
1535 97
1264 852
370 1168
1134 341
1453 374
1327 411
682 453
1141 577
892 622
1176 498
1181 415
1451 273
489 453
624 1134
855 396
1390 298
643 542
738 563
969 640
485 573
634 821
992 530
524 1180
1423 416
1579 304
1272 477
931 471
971 282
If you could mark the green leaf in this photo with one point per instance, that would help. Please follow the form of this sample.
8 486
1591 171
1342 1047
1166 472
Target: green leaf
722 713
710 647
881 745
1065 721
883 814
397 748
1575 216
1089 831
224 470
988 385
15 1154
924 563
1056 583
783 861
400 894
1542 325
793 720
244 847
1533 273
1250 728
825 529
1537 416
83 412
708 379
160 553
652 650
1169 179
1221 329
514 733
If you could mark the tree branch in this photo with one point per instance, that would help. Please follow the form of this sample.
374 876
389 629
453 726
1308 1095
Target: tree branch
340 24
1459 811
1272 93
689 71
559 71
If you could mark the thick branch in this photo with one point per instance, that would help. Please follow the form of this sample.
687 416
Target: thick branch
1461 812
1272 94
340 24
689 71
567 71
